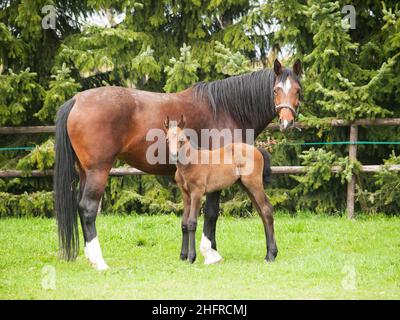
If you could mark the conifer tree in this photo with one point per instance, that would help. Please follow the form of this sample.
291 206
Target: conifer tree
169 45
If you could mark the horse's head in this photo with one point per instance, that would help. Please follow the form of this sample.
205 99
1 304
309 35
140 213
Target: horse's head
175 135
287 91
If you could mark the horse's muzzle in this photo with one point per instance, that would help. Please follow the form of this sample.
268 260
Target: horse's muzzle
284 125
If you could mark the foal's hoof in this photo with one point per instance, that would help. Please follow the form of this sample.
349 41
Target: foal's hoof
269 259
271 256
183 256
192 258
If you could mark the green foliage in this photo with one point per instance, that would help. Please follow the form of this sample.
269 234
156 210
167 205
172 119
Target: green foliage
148 195
169 45
18 92
315 186
182 73
119 52
131 201
40 158
37 204
319 163
335 80
61 88
239 206
348 168
229 63
385 196
10 47
389 182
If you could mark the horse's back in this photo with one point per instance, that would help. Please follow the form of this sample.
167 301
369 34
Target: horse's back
112 122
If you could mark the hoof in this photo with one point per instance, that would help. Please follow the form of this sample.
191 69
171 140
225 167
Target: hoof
271 256
93 254
212 257
192 259
269 259
100 266
183 256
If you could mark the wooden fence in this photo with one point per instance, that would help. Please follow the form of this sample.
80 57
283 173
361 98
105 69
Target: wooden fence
353 138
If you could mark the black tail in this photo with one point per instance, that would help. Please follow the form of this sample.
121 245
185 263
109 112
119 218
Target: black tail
267 173
65 178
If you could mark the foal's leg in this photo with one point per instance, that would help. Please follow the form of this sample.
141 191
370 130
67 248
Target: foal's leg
195 202
266 213
94 188
185 233
208 245
265 210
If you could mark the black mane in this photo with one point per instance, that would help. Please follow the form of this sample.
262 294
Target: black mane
247 98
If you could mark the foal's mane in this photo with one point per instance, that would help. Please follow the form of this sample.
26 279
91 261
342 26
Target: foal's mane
247 98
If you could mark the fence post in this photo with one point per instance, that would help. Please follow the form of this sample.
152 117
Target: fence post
352 156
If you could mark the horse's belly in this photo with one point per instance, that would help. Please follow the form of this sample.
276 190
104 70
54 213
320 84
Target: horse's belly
221 178
139 162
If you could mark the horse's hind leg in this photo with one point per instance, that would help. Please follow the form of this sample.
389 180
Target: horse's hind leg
265 210
82 182
88 205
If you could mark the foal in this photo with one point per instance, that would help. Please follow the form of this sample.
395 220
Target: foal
198 173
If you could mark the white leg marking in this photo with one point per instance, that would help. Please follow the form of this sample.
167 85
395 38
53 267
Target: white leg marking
210 255
93 253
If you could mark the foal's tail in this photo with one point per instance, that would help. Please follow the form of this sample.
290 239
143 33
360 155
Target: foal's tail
65 176
267 173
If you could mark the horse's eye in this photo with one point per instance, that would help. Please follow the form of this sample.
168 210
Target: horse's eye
167 140
275 92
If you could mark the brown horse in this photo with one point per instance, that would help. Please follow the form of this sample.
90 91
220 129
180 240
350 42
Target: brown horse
201 171
101 125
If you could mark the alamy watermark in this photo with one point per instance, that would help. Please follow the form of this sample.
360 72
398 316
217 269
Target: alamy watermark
191 152
349 20
49 277
349 281
49 20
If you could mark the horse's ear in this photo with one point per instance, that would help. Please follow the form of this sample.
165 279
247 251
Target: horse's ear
182 122
297 67
166 123
277 67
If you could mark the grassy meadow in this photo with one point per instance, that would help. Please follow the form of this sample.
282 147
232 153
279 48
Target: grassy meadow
320 257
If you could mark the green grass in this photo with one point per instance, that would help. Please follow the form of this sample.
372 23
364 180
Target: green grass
320 257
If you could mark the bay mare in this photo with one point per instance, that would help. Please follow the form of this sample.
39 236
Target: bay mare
100 125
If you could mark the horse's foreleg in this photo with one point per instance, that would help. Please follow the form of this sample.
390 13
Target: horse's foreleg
195 202
185 232
88 205
208 245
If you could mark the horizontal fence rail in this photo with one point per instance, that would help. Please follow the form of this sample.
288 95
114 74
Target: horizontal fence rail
353 141
126 171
